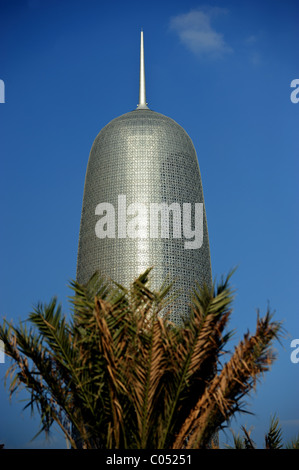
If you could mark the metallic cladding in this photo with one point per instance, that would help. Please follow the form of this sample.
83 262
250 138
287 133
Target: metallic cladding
151 159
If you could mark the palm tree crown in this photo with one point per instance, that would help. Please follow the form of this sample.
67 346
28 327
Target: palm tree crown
120 374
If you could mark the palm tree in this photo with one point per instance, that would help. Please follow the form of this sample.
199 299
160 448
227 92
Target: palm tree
273 438
120 374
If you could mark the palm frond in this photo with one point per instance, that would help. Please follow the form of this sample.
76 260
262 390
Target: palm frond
221 398
293 444
273 438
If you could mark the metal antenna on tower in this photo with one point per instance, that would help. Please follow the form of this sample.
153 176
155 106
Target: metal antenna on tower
142 95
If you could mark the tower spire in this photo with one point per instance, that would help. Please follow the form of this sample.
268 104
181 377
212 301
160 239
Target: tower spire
142 96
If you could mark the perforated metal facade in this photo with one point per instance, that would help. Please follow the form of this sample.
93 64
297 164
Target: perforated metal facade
149 158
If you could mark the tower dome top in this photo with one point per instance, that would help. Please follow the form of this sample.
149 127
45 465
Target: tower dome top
150 128
143 121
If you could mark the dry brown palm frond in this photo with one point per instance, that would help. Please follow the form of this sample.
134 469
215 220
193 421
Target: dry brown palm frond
145 379
251 358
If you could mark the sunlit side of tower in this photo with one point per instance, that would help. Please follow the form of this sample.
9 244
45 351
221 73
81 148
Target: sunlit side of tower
140 162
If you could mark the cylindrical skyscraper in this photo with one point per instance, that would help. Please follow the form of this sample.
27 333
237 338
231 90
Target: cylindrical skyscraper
143 204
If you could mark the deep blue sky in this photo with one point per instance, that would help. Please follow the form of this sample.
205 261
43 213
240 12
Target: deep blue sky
222 70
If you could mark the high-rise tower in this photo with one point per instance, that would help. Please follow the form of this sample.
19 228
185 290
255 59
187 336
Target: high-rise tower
143 204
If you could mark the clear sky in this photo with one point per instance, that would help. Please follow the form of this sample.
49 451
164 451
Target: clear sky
221 69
